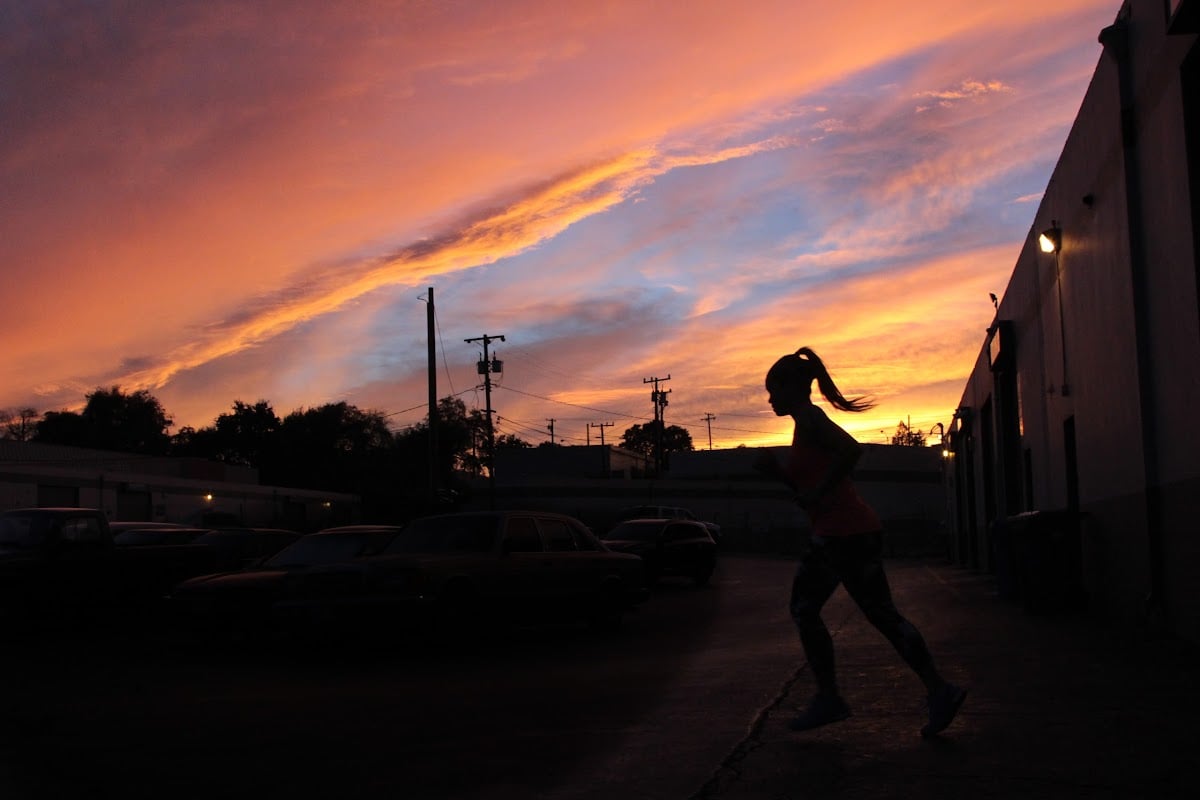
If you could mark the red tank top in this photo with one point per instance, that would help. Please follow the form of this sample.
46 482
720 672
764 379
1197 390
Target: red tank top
841 512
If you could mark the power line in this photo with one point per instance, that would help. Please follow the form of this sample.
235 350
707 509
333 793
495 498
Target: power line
445 363
617 414
542 365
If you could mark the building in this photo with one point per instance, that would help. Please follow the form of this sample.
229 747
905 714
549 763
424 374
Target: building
1081 402
127 486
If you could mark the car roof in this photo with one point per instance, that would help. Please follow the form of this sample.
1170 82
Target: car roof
359 529
49 510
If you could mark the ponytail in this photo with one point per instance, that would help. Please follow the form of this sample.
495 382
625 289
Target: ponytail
804 366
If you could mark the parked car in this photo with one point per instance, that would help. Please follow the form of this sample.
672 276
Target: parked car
62 564
258 598
129 535
119 526
670 512
472 569
668 546
243 547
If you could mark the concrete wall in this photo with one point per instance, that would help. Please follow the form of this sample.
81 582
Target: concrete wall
904 484
1107 338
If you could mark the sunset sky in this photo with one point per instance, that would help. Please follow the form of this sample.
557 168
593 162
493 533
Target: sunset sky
220 201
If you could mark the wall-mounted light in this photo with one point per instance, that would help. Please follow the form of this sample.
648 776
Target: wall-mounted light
1051 239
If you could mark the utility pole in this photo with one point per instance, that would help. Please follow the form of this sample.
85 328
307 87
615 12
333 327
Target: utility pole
659 399
486 367
709 418
603 450
601 426
550 428
433 409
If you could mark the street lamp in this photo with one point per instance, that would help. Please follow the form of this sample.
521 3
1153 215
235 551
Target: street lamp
941 429
1050 240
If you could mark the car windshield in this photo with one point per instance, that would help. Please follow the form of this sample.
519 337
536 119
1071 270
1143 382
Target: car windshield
220 537
308 551
21 531
632 531
466 534
140 536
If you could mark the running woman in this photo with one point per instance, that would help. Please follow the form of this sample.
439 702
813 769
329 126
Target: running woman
847 542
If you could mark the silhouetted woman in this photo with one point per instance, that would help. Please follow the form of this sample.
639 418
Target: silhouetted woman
847 542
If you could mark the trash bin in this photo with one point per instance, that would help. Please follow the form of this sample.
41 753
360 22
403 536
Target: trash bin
1003 557
1046 561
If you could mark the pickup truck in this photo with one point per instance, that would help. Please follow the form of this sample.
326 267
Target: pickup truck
62 562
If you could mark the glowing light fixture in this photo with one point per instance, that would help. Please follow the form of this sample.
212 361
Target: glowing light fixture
1051 239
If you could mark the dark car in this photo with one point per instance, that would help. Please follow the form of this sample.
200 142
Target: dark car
500 567
131 534
235 548
261 597
668 546
670 512
117 526
54 563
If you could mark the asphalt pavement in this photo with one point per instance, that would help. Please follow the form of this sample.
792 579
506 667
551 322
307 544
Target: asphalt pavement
1059 705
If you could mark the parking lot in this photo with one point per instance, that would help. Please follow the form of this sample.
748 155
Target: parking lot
556 711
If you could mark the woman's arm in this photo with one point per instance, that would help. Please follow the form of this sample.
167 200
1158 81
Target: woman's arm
844 451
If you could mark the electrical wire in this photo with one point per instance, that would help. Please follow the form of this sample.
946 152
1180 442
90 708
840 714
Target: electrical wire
615 414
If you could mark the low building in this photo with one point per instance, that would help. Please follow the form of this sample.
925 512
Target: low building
1073 464
128 486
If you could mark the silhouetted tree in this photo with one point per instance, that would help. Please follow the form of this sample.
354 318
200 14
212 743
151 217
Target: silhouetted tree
111 420
336 446
644 438
909 437
190 442
249 434
19 424
511 441
461 437
61 427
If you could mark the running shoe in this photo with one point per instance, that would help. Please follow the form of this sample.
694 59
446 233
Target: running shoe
822 710
944 703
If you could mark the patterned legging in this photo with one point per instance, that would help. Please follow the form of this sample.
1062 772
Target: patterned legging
857 563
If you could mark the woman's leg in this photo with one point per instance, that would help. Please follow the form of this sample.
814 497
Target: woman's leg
858 560
812 585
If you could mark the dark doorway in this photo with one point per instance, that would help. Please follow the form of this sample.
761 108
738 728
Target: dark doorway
1190 81
987 432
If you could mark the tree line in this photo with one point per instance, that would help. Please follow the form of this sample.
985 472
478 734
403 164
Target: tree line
333 447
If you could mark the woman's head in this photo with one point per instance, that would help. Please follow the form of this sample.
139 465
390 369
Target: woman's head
789 383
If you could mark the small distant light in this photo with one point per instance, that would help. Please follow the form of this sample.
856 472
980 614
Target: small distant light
208 497
946 453
327 504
